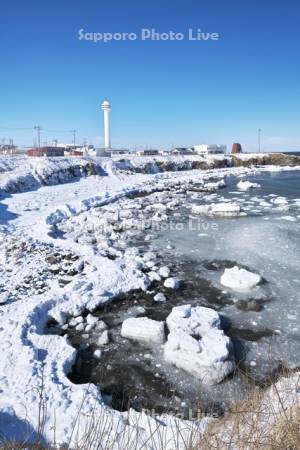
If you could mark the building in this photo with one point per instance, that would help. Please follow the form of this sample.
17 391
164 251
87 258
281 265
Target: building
46 151
9 149
236 148
115 152
148 152
209 149
182 151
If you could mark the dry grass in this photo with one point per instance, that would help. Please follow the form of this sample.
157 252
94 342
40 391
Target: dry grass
258 422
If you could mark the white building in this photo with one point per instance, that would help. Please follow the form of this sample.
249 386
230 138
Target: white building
209 149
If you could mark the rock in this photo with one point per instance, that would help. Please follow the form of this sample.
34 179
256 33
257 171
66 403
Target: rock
64 281
240 279
246 185
198 345
143 330
249 305
55 269
51 259
104 338
172 283
160 297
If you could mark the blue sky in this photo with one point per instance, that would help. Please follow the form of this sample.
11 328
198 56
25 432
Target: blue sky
162 93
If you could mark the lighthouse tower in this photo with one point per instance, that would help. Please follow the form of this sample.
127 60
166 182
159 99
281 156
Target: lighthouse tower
106 108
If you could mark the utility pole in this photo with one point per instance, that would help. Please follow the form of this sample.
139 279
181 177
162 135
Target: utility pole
38 130
259 140
74 136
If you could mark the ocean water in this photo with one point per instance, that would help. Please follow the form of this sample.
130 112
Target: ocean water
266 241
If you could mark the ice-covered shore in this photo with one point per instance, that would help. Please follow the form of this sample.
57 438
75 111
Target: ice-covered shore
20 174
34 366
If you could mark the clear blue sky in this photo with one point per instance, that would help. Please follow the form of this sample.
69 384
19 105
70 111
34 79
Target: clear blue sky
162 93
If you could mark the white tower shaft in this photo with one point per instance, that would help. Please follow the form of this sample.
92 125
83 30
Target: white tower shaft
106 116
107 129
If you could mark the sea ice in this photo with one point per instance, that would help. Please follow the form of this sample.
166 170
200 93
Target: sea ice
143 330
240 279
160 297
172 283
198 345
104 338
225 209
246 185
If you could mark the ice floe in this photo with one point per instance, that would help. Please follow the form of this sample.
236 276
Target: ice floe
246 185
197 344
240 279
143 330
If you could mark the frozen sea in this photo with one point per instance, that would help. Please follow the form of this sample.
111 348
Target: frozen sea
266 241
263 323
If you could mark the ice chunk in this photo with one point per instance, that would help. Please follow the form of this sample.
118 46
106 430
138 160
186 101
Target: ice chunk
104 338
218 209
164 272
197 344
246 185
159 297
144 330
172 283
240 279
225 209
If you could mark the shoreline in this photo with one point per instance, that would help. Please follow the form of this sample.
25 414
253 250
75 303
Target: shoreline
49 358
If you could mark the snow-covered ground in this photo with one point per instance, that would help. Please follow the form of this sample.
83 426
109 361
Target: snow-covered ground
47 273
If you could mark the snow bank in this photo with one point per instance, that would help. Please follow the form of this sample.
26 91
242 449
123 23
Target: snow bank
21 174
197 344
240 279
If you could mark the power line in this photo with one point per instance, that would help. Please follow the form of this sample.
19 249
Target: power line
33 128
15 129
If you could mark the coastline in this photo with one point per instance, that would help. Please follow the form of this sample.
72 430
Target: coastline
45 360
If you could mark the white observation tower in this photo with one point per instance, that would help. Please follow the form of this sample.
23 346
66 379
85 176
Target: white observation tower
106 108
